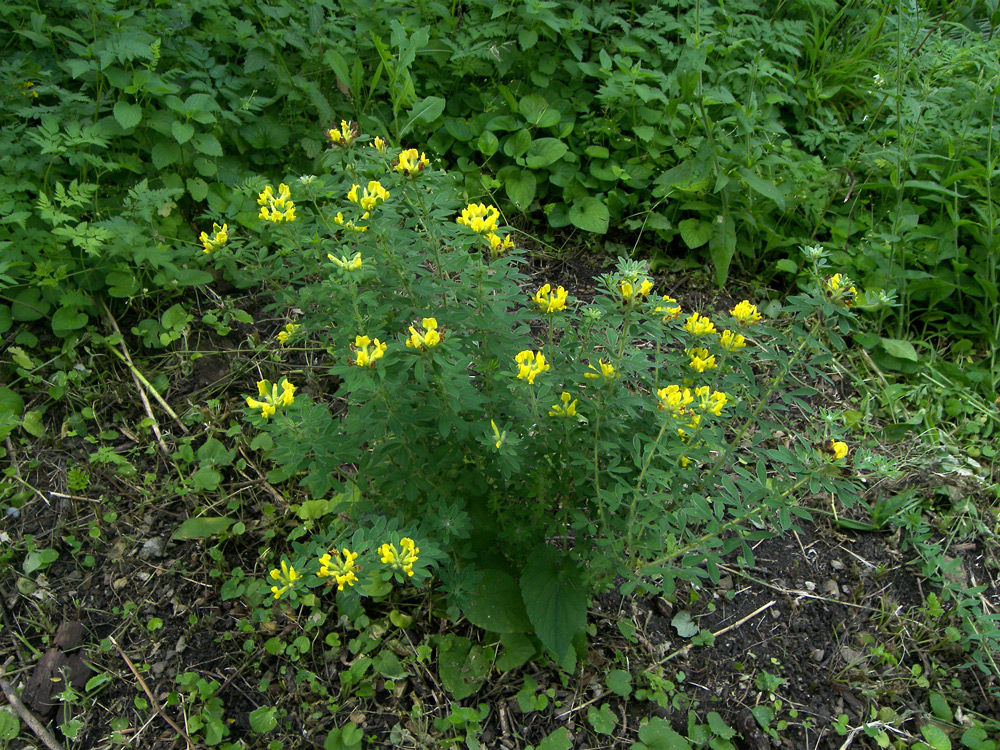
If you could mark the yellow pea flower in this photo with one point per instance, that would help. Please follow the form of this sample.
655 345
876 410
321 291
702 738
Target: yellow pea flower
276 209
565 409
287 576
530 365
549 301
699 325
341 570
270 398
367 351
410 164
427 338
745 313
218 238
400 559
479 218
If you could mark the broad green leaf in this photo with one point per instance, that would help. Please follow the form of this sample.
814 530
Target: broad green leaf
164 153
517 649
462 665
590 214
517 144
10 725
684 625
544 151
206 478
29 305
762 186
695 232
424 112
531 106
556 599
32 423
197 188
658 735
208 144
487 143
787 265
263 719
497 605
202 528
619 682
602 719
520 186
388 665
121 283
68 318
128 115
900 348
935 737
6 321
558 740
182 131
722 248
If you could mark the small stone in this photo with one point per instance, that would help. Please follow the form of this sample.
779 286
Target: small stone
119 584
726 583
159 667
836 564
152 547
850 655
180 645
830 588
817 655
810 585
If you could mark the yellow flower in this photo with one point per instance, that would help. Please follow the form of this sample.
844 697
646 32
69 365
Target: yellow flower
372 196
668 308
834 449
566 409
529 365
711 401
287 332
607 370
497 435
479 218
380 145
286 576
354 264
400 560
349 225
27 88
342 570
219 237
841 289
732 342
344 135
410 164
745 313
499 246
699 325
367 351
675 399
271 398
428 338
632 290
701 360
276 209
549 302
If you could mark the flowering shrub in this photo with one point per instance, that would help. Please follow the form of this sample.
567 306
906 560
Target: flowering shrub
629 439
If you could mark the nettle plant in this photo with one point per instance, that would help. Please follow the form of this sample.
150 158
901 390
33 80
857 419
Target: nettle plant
520 448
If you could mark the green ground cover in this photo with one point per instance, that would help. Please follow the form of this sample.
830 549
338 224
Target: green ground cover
409 337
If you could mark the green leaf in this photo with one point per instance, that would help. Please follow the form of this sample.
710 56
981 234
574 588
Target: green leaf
264 719
487 143
619 682
68 318
197 188
29 305
719 727
601 719
182 131
388 665
6 321
935 737
206 478
787 265
517 649
544 151
558 740
201 528
684 625
762 186
165 153
128 115
900 348
208 144
695 232
517 144
497 605
520 186
532 106
722 248
11 406
590 214
462 666
121 283
658 735
32 423
424 112
555 598
940 707
10 726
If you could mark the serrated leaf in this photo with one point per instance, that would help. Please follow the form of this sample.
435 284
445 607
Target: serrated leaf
164 153
590 214
497 605
462 665
601 719
182 131
935 737
520 186
695 232
127 114
900 348
201 528
555 598
208 144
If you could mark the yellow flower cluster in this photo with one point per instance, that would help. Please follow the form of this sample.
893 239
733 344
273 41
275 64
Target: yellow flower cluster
677 401
530 365
27 88
341 570
607 370
745 313
711 401
699 325
367 351
701 360
400 560
380 145
276 209
633 290
287 332
409 163
349 225
549 301
426 338
373 194
732 342
344 135
354 264
218 238
479 218
287 577
499 246
841 289
565 409
271 397
668 308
